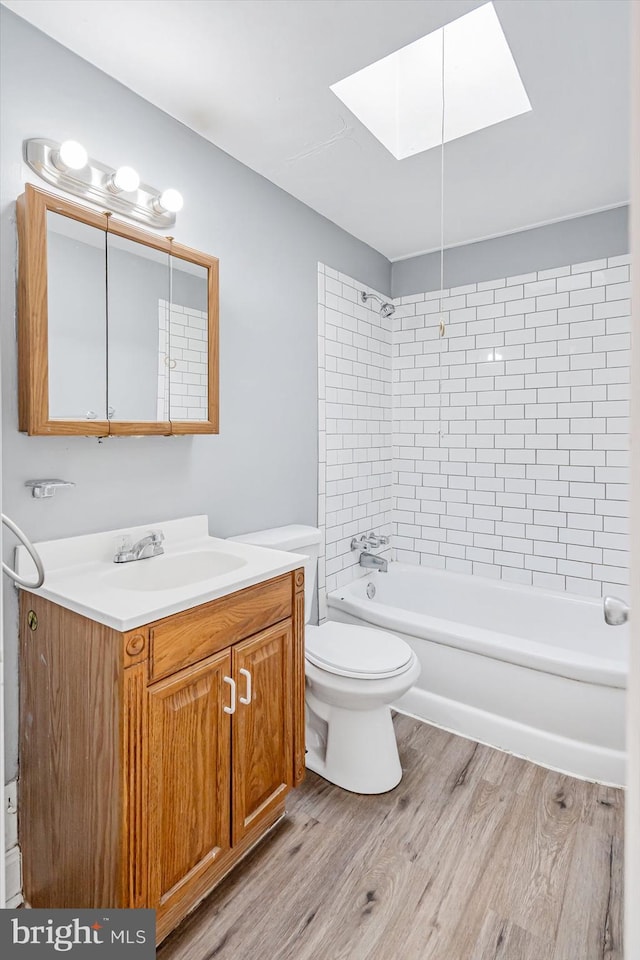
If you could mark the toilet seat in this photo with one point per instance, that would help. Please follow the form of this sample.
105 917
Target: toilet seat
363 653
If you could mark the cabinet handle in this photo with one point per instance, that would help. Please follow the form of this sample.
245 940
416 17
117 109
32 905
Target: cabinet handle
232 684
247 699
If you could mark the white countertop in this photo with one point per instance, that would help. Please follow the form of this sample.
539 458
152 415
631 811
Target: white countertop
80 573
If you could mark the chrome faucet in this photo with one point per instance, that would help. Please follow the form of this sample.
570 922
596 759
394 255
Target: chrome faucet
373 561
368 559
149 546
369 540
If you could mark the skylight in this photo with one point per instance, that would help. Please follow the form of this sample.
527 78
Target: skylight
399 98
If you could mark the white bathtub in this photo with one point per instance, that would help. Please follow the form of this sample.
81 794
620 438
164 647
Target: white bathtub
529 671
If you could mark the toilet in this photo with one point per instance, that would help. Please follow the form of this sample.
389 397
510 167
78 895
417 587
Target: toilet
353 675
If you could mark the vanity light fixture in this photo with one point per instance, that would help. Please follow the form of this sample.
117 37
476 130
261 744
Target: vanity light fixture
71 156
170 200
68 167
124 180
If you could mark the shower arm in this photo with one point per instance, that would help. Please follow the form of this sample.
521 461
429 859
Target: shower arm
370 296
386 309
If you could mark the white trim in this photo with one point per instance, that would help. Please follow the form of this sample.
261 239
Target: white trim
632 814
509 233
547 749
13 877
3 859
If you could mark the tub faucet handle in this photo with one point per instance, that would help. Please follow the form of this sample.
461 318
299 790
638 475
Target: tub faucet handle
369 540
378 540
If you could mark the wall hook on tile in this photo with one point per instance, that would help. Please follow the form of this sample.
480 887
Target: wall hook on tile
442 327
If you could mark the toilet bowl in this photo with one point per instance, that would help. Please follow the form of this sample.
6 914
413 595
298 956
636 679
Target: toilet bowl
353 675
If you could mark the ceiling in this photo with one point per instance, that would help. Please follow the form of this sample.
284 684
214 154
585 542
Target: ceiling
253 77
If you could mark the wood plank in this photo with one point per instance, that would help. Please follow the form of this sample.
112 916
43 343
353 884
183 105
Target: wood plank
544 836
173 912
466 844
476 855
502 940
290 912
591 918
356 916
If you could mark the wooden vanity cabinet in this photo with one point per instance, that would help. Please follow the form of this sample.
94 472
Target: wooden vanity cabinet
138 787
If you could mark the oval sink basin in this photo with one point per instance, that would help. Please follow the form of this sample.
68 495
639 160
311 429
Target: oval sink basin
169 572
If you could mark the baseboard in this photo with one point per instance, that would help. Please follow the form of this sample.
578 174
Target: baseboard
13 859
14 877
572 757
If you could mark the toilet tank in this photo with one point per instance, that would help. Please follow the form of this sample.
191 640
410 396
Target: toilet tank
294 538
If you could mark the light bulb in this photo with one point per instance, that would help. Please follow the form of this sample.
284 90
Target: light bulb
124 180
71 156
169 201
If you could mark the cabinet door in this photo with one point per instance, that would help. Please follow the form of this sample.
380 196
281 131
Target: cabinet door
189 780
262 729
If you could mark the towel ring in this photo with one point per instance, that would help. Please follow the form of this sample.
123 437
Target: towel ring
33 553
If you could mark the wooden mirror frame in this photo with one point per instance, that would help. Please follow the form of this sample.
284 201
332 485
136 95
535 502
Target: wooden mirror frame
33 326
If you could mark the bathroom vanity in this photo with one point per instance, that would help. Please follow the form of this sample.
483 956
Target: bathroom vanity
153 758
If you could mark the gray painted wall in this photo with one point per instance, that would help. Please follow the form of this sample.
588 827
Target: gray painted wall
585 238
262 468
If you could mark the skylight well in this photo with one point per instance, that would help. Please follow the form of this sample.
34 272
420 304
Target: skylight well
399 98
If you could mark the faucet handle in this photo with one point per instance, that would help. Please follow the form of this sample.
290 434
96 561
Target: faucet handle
369 540
376 540
157 536
124 546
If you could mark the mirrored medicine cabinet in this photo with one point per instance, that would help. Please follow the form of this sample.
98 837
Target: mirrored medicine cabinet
117 328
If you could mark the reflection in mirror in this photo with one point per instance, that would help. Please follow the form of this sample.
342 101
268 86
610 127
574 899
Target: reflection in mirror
183 351
77 314
138 283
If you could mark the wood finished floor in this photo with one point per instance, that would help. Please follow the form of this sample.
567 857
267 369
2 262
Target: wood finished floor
476 855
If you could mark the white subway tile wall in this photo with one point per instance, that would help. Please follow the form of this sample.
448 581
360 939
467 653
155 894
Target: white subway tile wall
355 449
182 363
510 434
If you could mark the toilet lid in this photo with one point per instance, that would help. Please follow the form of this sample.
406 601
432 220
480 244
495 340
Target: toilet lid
351 651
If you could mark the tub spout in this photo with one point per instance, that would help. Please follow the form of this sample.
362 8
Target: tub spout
372 561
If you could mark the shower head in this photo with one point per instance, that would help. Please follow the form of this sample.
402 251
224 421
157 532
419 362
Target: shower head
386 309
